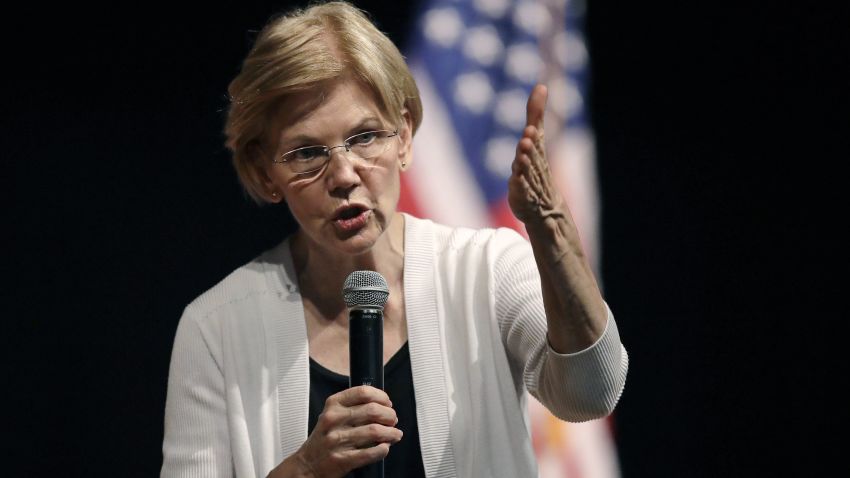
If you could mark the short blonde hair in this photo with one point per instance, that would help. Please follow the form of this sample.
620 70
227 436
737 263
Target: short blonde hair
298 51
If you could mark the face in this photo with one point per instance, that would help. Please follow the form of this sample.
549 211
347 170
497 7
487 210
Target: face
347 206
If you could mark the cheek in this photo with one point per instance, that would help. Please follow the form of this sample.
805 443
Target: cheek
302 204
391 193
385 182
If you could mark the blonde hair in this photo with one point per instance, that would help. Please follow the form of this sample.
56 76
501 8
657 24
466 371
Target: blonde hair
298 51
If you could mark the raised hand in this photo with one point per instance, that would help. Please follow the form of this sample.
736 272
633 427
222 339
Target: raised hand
532 194
575 312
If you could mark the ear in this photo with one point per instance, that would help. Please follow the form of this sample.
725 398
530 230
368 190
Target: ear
270 191
266 188
405 133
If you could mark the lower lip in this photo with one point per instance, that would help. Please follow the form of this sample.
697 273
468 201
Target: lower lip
353 224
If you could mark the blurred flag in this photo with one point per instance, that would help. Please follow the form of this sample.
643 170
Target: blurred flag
475 62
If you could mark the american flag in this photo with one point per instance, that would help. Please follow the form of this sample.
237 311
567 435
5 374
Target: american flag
475 62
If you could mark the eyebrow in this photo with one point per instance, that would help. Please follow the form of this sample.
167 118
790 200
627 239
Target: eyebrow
307 140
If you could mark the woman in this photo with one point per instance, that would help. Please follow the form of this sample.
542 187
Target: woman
322 119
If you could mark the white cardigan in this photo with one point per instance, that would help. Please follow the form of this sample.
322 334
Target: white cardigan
238 386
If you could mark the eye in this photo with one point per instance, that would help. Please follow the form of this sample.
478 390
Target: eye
363 138
304 155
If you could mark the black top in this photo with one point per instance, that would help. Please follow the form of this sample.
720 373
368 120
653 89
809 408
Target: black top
405 457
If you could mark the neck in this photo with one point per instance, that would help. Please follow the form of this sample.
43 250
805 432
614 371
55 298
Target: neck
322 273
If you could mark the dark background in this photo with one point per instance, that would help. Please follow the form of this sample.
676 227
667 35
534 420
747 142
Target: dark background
721 134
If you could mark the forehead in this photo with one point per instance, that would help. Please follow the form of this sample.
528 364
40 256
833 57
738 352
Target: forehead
328 109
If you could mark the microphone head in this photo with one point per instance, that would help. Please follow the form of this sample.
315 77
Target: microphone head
365 289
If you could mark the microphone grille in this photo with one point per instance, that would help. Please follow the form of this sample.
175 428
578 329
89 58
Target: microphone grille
365 289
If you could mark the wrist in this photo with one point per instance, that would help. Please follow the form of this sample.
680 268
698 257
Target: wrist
294 466
544 227
548 218
554 237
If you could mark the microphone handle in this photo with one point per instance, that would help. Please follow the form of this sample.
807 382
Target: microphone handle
366 363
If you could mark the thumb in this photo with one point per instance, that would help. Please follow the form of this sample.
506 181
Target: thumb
536 106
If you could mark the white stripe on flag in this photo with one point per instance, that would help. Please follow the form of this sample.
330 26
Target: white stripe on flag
446 190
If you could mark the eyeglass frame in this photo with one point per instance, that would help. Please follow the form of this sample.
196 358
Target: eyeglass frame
278 159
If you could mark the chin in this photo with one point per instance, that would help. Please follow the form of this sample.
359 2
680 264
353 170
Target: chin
354 244
360 243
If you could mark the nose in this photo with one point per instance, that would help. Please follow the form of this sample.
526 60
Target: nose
341 175
344 148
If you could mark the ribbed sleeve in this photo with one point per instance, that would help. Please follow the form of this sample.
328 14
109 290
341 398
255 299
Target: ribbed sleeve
196 440
589 383
575 387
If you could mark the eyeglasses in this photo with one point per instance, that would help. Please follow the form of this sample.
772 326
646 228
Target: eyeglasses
309 159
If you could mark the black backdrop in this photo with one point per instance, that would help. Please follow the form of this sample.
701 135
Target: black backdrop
715 131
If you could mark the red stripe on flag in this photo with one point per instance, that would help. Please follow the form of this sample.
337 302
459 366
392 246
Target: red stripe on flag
502 216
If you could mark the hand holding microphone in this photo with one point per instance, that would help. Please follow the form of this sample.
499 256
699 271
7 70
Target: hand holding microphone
357 426
354 431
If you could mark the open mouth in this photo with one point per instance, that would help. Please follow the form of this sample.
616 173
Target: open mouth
349 213
351 218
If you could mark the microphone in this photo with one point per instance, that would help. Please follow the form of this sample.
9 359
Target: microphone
365 293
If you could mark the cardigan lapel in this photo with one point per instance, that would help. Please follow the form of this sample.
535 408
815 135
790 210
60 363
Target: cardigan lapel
292 350
426 349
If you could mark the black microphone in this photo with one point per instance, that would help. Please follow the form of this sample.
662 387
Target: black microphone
365 293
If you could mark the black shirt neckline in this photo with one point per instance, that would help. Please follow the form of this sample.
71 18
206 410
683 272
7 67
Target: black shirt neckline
392 364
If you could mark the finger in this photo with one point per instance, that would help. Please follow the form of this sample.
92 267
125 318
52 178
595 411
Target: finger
520 164
529 160
541 189
540 176
364 456
536 137
524 147
529 194
538 161
531 144
368 435
536 107
372 413
360 395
